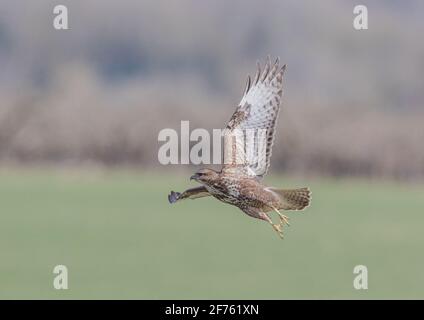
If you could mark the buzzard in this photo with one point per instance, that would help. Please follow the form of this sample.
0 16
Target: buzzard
248 140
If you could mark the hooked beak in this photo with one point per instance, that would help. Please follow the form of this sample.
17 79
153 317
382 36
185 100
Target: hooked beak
194 177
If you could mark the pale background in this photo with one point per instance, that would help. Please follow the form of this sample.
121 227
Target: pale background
80 183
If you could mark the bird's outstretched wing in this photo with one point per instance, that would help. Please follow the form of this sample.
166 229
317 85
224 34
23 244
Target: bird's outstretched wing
192 193
249 135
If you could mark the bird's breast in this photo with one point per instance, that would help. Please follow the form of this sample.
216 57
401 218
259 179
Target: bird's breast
225 192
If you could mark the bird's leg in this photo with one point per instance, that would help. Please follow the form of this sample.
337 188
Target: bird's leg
276 227
283 218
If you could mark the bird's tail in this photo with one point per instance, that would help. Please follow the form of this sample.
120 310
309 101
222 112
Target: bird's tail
293 199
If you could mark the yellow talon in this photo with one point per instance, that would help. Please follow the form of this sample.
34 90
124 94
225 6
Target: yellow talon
283 218
277 227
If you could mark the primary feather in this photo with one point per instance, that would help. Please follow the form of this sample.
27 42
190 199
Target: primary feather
249 135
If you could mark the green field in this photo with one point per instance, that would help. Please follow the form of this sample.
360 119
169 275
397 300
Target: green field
121 239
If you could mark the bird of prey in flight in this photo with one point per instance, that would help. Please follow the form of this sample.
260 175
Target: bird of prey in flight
248 140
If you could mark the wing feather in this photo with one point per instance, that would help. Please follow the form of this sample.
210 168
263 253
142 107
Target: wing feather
192 193
249 135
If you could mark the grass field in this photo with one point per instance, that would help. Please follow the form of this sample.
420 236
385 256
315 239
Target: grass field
121 239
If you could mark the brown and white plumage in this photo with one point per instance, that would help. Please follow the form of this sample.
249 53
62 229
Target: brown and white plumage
248 140
254 121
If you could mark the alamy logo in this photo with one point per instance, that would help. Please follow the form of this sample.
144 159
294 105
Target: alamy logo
237 146
360 282
60 21
60 282
360 21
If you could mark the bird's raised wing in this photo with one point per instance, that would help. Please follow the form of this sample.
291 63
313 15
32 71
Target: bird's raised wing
249 135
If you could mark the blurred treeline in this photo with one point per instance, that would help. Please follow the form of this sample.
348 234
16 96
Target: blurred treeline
101 91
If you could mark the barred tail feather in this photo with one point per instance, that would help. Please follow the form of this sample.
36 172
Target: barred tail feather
293 199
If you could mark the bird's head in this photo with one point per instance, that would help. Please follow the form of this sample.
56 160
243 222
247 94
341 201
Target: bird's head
205 176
